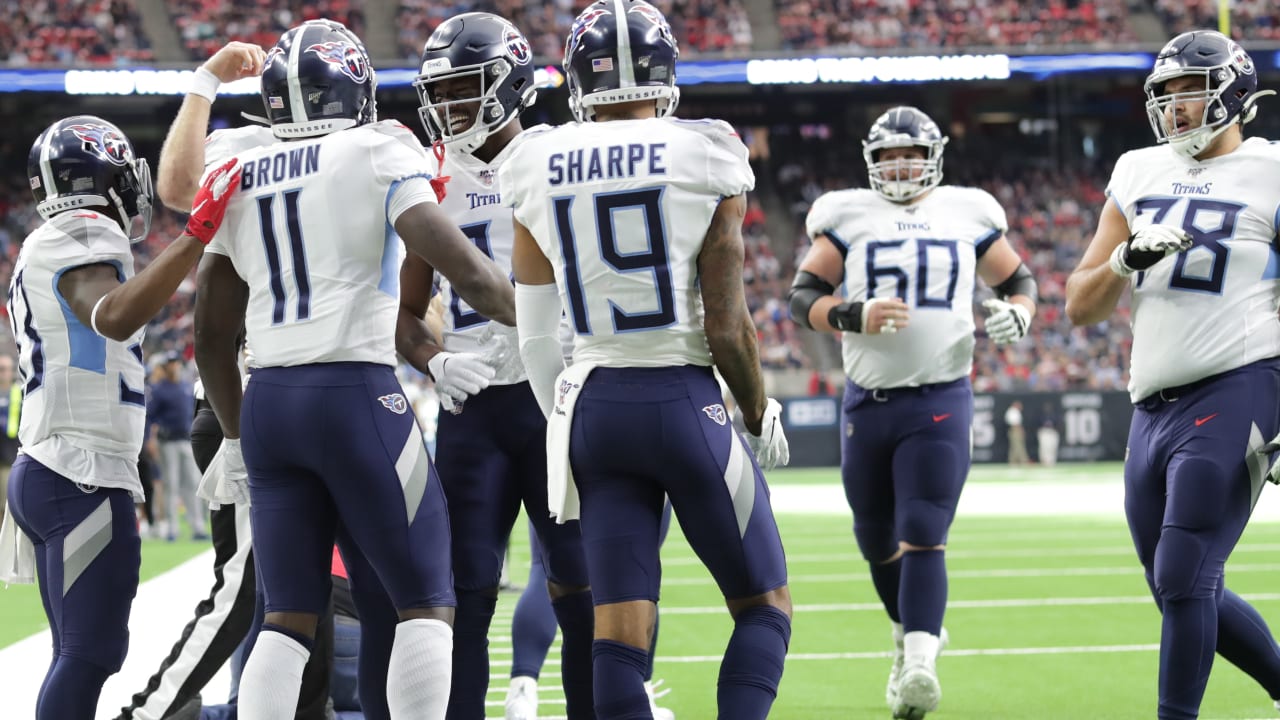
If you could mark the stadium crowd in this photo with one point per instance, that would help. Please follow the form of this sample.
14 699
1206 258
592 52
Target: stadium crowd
700 26
883 24
67 32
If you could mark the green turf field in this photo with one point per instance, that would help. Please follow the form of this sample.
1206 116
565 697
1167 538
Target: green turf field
1049 618
1072 637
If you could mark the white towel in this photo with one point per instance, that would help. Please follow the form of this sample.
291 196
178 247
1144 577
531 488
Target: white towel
17 553
562 493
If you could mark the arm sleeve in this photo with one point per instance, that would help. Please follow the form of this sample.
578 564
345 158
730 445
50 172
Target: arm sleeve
538 311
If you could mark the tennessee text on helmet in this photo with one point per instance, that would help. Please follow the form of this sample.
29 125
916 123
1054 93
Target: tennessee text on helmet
318 79
620 51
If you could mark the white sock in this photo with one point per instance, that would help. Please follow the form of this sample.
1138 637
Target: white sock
898 632
272 678
920 644
420 671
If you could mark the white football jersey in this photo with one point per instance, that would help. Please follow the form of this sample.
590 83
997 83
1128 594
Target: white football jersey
84 408
309 232
1212 308
621 209
474 200
925 253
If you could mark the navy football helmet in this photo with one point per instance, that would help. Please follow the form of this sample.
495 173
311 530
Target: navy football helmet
318 79
901 180
497 57
85 161
620 51
1229 93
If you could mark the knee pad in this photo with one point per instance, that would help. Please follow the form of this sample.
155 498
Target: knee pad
1181 572
876 540
924 523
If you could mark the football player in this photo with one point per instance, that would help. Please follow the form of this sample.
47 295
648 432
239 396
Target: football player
906 252
78 312
1190 229
477 76
308 261
632 221
231 609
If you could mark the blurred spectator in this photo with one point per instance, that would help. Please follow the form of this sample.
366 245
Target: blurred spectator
1017 434
206 25
72 32
890 24
1250 19
700 26
171 403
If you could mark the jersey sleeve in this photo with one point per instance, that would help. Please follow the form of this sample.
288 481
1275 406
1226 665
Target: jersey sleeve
991 216
1118 188
86 238
825 218
402 166
728 169
222 145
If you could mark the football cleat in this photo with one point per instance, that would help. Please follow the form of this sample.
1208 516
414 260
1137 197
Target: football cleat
522 699
907 707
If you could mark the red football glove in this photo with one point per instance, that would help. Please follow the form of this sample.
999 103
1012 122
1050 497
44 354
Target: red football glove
211 201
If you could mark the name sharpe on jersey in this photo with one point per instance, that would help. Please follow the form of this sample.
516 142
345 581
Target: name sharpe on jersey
612 162
284 165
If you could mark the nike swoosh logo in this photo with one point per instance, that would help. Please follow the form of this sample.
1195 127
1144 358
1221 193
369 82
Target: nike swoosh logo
1205 419
196 209
940 418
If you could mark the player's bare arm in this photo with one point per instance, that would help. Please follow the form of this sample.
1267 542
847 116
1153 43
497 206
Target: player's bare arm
414 340
221 299
1093 289
1000 267
117 310
432 235
731 334
814 304
182 155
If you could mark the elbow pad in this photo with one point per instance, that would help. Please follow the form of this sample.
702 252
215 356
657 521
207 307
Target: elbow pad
804 292
1019 283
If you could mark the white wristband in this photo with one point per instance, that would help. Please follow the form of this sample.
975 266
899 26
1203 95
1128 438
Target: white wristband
204 83
93 316
1117 262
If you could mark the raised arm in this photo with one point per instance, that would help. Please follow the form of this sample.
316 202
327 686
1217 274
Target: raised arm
116 309
182 156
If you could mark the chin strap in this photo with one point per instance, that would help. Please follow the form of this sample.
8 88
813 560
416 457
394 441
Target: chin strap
440 180
1251 105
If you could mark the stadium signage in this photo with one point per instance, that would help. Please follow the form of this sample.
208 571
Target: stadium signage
877 69
795 70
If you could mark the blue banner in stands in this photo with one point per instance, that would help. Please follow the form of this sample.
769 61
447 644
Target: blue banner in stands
758 71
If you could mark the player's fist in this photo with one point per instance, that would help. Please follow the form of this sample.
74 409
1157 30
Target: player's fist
1008 322
236 60
1147 247
211 200
458 376
884 316
770 446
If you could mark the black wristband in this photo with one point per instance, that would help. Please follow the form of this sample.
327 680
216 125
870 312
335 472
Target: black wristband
846 316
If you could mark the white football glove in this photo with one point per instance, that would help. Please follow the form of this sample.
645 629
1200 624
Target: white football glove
226 480
502 345
458 376
770 446
1148 246
1008 322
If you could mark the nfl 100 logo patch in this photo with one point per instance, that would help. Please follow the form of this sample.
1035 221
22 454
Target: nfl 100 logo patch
716 413
395 402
